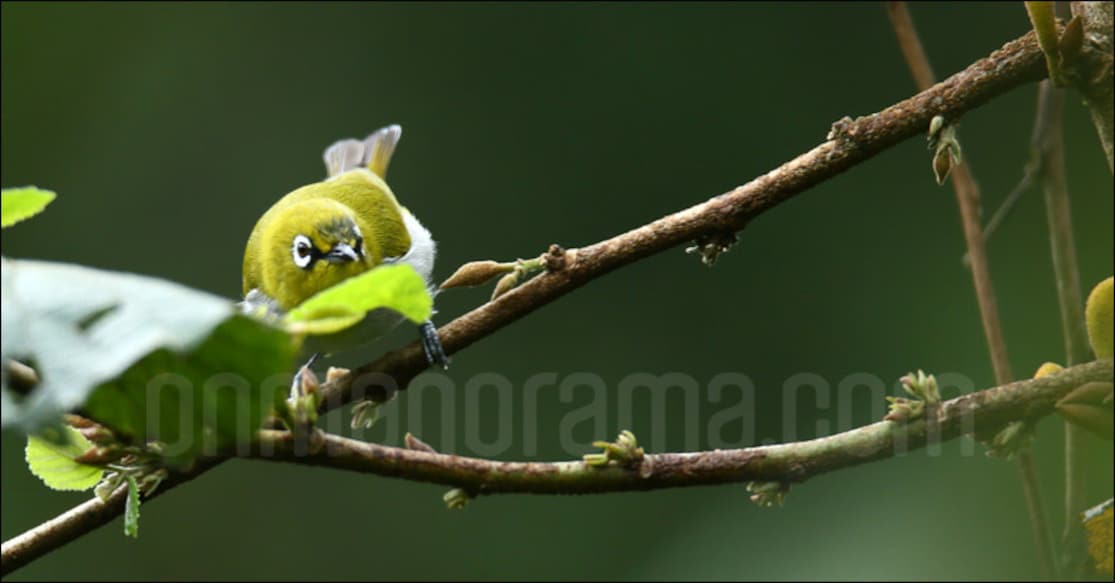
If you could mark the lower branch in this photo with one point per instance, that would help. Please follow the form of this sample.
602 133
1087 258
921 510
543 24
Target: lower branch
981 413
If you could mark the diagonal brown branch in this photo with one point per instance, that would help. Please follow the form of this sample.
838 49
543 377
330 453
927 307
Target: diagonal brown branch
850 142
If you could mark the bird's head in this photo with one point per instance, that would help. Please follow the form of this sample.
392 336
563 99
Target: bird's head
311 246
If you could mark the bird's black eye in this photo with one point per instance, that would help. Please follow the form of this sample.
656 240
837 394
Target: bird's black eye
303 252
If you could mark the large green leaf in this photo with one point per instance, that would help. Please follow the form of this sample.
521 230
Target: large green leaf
398 288
17 204
151 359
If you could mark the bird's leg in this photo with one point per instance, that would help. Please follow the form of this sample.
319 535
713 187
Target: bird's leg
296 382
431 344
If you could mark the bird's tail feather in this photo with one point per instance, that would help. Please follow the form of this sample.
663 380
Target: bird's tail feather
374 153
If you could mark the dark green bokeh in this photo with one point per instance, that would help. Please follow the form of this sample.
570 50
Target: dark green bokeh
167 129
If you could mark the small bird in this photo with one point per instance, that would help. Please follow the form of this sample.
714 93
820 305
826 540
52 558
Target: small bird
345 225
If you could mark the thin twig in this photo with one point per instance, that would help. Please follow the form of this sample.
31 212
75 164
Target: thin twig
981 413
852 142
910 44
967 198
1029 175
1047 140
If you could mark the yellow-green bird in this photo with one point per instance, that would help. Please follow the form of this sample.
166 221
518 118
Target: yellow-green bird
323 233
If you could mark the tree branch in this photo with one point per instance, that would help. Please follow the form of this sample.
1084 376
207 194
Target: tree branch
850 142
79 520
982 413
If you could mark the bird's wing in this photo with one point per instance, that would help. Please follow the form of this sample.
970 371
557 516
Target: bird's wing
422 250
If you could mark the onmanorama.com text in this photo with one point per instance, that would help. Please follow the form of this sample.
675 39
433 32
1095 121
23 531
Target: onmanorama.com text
485 408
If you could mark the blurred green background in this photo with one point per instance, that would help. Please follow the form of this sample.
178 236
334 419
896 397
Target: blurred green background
167 129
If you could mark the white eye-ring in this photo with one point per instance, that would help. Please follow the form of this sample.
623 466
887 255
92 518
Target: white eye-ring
302 251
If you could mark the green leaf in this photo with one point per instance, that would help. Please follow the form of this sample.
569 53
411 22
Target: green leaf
17 204
398 288
131 509
52 460
150 359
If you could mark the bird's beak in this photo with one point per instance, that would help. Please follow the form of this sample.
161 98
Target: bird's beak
342 253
